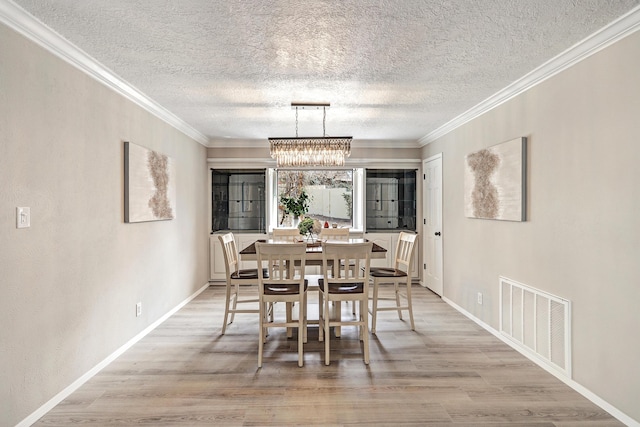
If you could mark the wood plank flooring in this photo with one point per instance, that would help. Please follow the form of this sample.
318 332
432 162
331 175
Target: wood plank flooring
449 372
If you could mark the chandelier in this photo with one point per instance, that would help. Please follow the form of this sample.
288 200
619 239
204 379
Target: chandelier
316 151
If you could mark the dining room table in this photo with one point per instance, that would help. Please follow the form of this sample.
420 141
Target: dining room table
314 257
314 249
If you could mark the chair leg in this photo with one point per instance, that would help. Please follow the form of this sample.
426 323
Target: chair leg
365 327
396 286
338 329
374 307
301 332
235 302
267 306
261 336
320 317
409 304
226 308
289 307
303 309
360 317
327 338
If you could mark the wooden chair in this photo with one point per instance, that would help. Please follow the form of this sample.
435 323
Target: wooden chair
400 273
287 234
339 284
334 234
284 283
235 277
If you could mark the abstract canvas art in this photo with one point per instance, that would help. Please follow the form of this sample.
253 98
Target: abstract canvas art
149 185
494 182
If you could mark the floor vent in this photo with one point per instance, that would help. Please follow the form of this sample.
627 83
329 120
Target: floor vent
537 322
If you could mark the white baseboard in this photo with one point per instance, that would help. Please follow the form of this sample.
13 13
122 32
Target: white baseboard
621 416
40 412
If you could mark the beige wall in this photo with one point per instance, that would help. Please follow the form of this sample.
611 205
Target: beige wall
581 240
69 284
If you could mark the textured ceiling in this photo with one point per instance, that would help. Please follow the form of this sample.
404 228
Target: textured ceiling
392 70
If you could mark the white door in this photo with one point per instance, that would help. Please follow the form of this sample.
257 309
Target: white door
432 223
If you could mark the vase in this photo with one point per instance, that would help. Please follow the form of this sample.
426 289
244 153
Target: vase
295 221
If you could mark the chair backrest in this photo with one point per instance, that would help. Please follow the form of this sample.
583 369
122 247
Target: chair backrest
357 255
284 261
230 251
404 251
334 234
287 234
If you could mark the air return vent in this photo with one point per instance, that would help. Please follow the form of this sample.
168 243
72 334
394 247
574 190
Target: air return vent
537 322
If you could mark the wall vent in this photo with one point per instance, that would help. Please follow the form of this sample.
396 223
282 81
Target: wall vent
538 323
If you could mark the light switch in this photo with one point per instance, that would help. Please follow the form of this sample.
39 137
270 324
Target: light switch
23 217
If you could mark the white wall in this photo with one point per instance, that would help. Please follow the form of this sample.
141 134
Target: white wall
69 284
581 240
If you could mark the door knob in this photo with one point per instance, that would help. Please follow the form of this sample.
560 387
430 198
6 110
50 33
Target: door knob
438 233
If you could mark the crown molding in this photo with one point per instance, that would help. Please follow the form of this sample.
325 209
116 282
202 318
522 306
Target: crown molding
237 143
375 162
357 143
615 31
27 25
385 143
236 162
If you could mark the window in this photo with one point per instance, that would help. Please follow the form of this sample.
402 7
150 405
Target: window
334 195
238 200
391 199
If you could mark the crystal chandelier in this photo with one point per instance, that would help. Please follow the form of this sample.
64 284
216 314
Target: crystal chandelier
316 151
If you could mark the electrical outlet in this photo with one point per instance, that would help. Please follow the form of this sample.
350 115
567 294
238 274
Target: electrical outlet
480 298
138 309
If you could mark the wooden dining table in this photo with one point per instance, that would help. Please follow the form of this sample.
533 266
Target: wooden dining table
314 257
314 250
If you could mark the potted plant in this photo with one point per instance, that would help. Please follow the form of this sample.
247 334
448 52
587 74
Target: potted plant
306 228
295 206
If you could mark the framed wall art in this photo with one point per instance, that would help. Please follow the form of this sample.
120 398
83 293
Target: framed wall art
494 182
149 185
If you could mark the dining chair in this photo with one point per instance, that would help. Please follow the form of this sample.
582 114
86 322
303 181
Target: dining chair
284 283
340 284
236 277
287 234
334 234
400 273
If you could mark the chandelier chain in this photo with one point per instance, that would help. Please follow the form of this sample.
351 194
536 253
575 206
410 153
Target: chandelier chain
324 119
296 122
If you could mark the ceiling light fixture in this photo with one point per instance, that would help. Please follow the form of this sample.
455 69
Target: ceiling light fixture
316 151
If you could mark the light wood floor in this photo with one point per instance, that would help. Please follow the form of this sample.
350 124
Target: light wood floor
448 372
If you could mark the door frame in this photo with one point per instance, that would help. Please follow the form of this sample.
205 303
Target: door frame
424 213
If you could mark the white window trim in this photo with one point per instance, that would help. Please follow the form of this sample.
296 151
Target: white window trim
358 200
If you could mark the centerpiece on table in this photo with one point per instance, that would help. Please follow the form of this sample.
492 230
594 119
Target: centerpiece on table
308 227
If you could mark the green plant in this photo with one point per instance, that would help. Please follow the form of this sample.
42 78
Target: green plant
306 226
296 206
